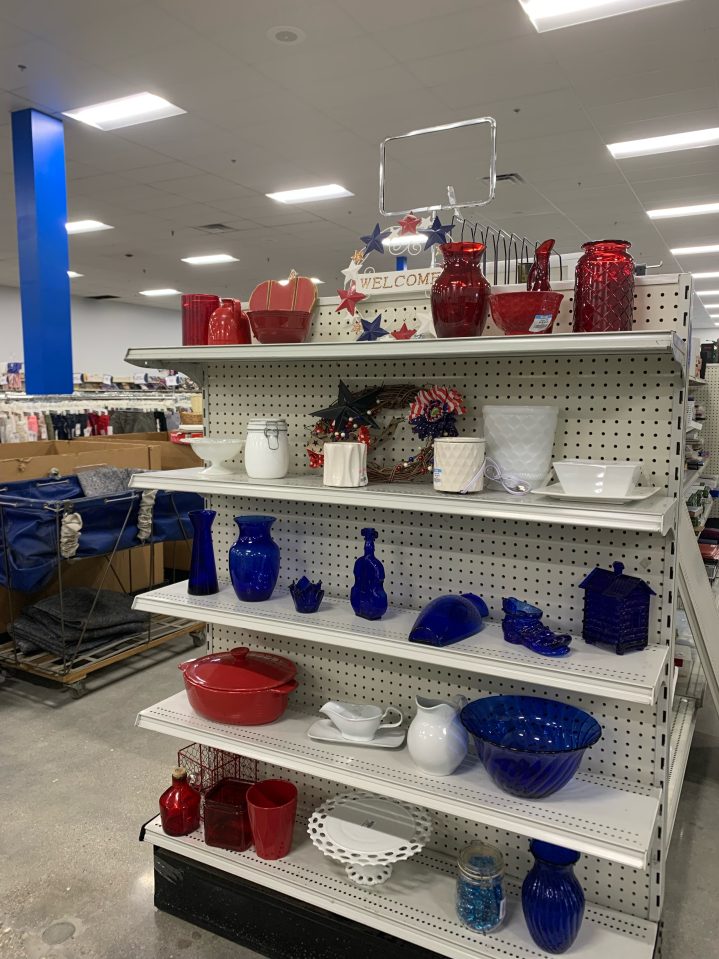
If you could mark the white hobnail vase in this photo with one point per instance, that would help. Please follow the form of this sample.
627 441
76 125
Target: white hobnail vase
457 461
520 440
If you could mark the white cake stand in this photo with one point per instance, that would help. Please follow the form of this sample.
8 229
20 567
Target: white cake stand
369 834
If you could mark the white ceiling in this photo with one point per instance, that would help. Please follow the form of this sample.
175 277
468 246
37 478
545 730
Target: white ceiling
262 116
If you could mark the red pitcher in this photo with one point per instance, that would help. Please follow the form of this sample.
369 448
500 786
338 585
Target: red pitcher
460 293
604 288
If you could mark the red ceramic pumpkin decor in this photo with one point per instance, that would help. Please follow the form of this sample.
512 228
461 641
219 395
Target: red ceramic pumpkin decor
281 311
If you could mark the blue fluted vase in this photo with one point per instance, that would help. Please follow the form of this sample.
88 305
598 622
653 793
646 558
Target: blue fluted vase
367 596
254 559
552 897
203 573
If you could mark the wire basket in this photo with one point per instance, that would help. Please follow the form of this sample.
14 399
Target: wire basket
206 766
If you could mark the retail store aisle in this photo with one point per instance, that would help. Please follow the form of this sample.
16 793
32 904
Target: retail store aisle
78 780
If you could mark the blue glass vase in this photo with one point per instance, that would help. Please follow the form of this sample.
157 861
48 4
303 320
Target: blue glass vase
203 573
367 596
254 559
552 897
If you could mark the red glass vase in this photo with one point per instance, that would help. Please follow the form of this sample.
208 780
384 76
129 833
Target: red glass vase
226 326
180 806
604 288
196 311
460 293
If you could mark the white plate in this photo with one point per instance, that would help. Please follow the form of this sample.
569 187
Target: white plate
638 493
325 731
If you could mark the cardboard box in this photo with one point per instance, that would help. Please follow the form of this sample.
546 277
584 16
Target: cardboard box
173 456
19 461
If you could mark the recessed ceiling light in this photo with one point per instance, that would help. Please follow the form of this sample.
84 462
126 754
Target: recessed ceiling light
553 14
707 292
690 250
210 258
161 292
125 111
73 275
327 192
692 140
697 210
286 35
86 226
706 276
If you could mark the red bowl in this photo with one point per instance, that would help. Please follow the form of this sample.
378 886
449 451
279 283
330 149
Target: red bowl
525 312
280 326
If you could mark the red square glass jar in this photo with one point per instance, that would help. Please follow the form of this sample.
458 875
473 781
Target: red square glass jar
227 822
604 288
196 311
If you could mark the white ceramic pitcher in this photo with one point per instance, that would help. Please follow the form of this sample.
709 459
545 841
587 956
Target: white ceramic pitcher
437 741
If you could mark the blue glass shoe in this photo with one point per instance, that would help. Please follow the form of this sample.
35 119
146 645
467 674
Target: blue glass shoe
522 625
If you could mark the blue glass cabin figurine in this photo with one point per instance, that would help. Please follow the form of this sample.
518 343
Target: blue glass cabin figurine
616 609
367 596
449 619
522 625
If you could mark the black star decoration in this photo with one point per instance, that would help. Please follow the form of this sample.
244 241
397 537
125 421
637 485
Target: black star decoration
351 406
373 241
372 330
437 233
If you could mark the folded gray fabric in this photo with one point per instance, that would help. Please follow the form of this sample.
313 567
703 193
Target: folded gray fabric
110 609
101 480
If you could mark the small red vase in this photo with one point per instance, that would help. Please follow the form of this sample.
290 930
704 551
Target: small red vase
604 288
460 293
196 311
180 806
223 327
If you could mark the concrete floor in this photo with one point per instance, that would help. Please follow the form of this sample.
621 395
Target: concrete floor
78 780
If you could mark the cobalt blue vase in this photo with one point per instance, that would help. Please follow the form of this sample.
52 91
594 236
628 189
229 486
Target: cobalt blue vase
367 596
552 897
254 559
203 573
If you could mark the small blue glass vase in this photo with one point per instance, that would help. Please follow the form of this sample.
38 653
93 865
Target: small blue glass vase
367 596
306 595
254 559
552 897
203 573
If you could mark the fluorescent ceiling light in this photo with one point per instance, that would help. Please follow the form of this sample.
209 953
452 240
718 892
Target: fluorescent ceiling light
671 211
706 276
553 14
313 279
210 258
707 292
711 306
689 250
327 192
714 316
73 275
316 281
125 111
692 140
86 226
165 291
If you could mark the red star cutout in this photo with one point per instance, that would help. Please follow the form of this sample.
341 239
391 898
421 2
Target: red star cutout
403 333
409 224
349 299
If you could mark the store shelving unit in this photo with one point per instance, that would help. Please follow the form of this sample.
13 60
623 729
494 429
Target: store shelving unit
692 477
617 809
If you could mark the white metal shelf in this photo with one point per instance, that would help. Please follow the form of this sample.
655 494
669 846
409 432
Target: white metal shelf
592 814
634 678
556 344
416 904
692 477
654 515
696 381
684 721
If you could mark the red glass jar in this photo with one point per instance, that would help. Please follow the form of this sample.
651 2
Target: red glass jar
196 311
180 806
604 288
460 293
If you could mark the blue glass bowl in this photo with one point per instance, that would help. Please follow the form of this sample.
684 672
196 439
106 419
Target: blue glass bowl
530 747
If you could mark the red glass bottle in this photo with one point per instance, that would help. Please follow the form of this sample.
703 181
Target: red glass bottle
604 288
180 806
460 293
196 310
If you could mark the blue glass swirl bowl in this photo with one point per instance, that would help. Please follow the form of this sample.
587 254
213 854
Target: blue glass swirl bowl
530 747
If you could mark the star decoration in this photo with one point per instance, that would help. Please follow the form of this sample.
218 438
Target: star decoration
352 272
373 241
351 409
403 333
349 299
358 256
372 330
437 233
408 224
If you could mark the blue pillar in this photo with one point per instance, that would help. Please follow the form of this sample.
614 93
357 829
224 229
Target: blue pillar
401 262
41 208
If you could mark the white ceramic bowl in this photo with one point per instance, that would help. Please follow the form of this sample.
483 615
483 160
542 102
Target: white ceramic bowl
216 453
596 478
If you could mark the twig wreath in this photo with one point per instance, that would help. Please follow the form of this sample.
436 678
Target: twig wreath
430 411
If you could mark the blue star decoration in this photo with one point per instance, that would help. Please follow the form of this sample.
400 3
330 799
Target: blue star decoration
372 330
373 241
437 233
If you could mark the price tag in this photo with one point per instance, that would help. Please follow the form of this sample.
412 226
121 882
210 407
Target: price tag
77 378
172 380
3 380
540 322
107 379
139 378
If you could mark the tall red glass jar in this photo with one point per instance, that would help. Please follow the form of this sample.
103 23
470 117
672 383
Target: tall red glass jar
604 288
180 806
460 293
196 311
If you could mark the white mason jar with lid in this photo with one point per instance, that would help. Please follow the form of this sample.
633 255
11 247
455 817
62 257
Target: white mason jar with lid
267 452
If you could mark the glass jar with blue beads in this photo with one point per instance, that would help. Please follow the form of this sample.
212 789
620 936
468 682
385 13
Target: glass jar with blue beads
481 903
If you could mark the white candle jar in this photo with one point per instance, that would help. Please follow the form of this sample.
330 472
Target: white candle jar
345 464
457 461
267 452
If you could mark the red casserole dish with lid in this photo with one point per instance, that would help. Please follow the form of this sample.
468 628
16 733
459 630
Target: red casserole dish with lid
240 687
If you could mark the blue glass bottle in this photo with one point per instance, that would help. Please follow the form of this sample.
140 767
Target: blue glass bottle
203 573
552 897
254 559
367 596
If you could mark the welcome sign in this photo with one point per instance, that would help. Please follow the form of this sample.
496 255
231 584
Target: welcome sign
396 282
